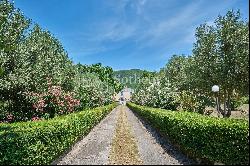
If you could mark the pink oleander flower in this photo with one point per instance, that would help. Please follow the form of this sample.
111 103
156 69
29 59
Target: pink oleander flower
39 105
10 117
55 91
77 102
35 118
61 103
70 109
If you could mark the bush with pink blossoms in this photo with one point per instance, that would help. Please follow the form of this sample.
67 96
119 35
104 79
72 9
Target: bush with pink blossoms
35 118
52 102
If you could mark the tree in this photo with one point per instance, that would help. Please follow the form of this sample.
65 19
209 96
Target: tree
221 54
178 71
29 56
13 26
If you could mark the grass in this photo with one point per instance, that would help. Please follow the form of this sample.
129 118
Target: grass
124 148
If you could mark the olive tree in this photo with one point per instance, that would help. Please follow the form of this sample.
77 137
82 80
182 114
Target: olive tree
220 56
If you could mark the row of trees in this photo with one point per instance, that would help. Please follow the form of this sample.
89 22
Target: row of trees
37 78
220 57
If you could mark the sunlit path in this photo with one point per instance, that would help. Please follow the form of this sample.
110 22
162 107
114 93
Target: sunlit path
122 138
94 148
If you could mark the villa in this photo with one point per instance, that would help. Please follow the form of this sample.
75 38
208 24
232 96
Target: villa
126 94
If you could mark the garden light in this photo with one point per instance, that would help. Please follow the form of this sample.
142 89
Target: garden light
216 89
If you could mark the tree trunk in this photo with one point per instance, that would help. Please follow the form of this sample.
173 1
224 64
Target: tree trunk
218 105
223 111
225 108
229 107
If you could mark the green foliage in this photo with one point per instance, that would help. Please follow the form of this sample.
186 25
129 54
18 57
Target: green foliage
43 56
105 74
217 140
221 53
188 101
175 71
220 57
27 58
155 91
1 71
29 55
245 100
41 142
239 102
91 91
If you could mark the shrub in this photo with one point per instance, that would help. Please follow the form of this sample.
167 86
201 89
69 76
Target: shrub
54 101
189 101
91 91
212 139
155 92
41 142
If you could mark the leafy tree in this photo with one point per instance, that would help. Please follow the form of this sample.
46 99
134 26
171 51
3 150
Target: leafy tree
176 71
221 54
28 56
93 86
105 74
13 26
44 56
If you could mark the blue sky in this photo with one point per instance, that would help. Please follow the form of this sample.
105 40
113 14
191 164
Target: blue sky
126 34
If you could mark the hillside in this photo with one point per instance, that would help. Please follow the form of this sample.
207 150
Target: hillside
129 78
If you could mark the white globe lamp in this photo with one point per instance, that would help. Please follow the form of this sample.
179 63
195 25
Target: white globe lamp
215 88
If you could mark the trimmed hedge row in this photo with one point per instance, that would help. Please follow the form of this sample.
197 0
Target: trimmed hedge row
211 139
41 142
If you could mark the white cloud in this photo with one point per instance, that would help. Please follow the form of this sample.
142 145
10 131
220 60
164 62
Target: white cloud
177 28
135 21
114 32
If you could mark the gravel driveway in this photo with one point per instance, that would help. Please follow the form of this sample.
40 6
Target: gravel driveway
95 148
153 149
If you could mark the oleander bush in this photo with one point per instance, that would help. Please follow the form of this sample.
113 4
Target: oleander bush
42 141
208 138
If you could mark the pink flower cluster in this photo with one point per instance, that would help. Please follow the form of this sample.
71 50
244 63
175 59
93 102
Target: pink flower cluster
71 102
35 118
54 99
10 117
39 105
55 91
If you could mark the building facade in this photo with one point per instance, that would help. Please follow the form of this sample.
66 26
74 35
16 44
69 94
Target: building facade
124 95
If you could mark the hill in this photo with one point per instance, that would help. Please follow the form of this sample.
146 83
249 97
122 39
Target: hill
129 78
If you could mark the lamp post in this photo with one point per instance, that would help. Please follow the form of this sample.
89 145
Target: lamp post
216 89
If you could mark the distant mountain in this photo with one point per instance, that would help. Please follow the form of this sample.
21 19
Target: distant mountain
129 78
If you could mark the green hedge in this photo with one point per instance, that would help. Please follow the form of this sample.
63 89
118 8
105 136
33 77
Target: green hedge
211 139
41 142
